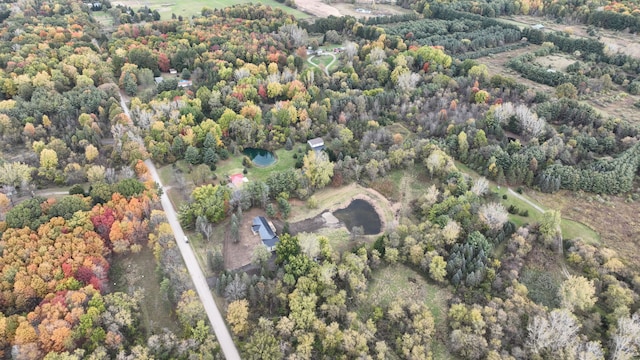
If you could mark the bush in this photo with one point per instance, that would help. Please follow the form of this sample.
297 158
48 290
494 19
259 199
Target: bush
312 203
524 213
245 171
512 209
505 196
76 190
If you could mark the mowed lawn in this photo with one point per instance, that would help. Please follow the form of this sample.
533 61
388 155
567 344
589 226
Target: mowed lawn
189 8
233 165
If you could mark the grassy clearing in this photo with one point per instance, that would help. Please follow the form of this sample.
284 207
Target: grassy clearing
133 272
323 60
194 7
331 198
391 283
542 285
570 229
614 217
200 245
339 239
397 128
233 165
103 18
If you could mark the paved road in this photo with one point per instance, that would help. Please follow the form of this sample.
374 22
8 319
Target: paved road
199 281
326 69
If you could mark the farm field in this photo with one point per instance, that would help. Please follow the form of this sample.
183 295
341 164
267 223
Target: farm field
194 7
612 103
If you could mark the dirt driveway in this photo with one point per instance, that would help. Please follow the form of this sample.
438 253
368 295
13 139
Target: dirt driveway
239 254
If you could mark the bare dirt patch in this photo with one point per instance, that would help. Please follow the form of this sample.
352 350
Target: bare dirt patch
613 218
239 254
366 11
317 8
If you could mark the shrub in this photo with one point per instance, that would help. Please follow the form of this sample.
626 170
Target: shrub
505 196
524 213
76 190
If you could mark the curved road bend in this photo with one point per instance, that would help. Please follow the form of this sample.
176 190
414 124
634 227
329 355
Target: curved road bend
199 281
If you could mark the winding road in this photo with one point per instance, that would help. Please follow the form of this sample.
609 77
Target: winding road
326 68
199 281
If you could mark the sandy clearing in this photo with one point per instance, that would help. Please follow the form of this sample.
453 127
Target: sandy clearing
317 8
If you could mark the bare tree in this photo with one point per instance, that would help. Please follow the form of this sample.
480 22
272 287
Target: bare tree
407 81
377 56
350 50
204 226
556 331
626 341
494 215
480 186
293 35
236 290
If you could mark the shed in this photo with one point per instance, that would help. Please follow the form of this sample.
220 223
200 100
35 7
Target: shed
316 144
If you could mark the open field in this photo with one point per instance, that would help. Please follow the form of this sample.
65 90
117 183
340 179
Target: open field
321 9
615 41
557 62
194 7
572 227
394 282
616 103
612 217
137 272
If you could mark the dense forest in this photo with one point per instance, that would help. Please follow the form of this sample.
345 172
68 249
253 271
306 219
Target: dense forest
405 94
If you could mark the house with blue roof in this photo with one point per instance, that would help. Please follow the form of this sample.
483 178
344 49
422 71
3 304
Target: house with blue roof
261 226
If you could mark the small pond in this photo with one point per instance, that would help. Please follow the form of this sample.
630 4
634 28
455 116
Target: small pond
260 157
360 213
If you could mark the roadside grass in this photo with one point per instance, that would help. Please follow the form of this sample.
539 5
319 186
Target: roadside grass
570 229
194 7
200 245
391 283
133 272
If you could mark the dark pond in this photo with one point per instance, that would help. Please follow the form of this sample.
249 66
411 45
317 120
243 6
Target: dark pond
260 157
360 213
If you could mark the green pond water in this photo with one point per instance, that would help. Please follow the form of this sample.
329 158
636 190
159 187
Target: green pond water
260 157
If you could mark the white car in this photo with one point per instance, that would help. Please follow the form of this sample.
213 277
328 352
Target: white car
186 239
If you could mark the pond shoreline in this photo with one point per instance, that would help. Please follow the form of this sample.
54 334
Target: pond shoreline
319 221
